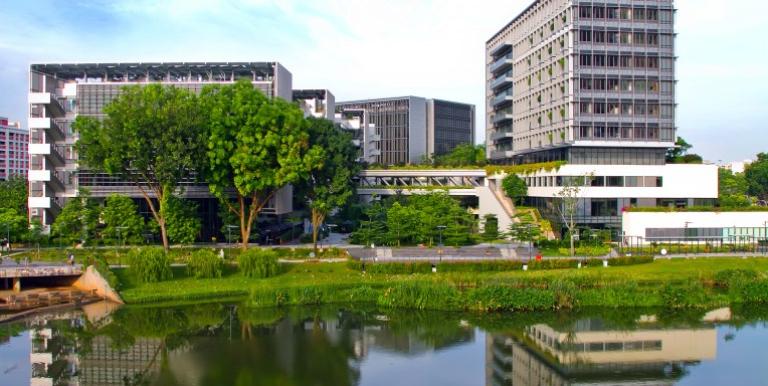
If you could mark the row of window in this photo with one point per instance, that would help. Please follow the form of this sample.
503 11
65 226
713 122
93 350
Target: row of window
639 85
625 61
625 133
626 37
625 13
627 108
597 181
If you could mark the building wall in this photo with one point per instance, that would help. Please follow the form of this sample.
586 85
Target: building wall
60 92
417 129
14 142
635 224
564 74
449 125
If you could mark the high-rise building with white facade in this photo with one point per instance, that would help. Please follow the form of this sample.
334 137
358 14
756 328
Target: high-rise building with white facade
588 82
60 92
14 159
591 83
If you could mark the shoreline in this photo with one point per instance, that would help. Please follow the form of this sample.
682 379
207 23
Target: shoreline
681 284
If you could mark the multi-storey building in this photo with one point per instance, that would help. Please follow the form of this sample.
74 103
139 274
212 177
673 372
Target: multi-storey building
591 83
316 103
14 159
588 82
60 92
407 129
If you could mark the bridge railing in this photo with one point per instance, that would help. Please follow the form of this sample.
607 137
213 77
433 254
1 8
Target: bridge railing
40 271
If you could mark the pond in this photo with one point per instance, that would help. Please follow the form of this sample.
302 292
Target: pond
229 344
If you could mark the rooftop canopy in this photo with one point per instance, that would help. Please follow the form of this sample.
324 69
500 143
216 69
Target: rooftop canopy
133 72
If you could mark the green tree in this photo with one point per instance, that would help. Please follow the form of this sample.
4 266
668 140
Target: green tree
567 201
183 223
402 224
152 137
12 224
515 188
373 229
329 187
756 175
463 155
524 230
679 153
490 227
732 189
122 221
256 146
78 220
13 195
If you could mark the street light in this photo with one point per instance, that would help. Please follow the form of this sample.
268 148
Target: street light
685 236
440 243
229 234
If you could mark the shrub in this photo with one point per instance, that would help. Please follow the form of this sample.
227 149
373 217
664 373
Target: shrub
204 263
258 263
481 266
149 265
755 292
407 268
734 278
683 295
508 298
421 296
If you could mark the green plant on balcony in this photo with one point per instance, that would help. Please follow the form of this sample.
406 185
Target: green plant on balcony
538 98
562 63
552 27
549 115
562 136
549 70
551 138
539 119
565 18
549 50
529 80
562 113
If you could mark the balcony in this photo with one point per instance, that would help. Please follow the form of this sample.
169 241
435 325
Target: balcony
502 80
501 135
500 154
49 125
502 48
502 63
54 105
504 97
49 151
502 116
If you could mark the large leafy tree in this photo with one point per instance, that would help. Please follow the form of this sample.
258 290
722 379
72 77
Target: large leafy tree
515 188
756 174
183 222
680 153
13 194
329 187
256 146
732 189
78 220
152 137
122 222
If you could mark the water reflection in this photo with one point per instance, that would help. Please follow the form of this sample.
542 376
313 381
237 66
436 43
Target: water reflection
221 344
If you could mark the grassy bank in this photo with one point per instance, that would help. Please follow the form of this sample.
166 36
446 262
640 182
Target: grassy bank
665 283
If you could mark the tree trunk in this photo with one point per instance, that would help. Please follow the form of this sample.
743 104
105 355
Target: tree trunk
245 233
164 235
573 249
157 214
317 221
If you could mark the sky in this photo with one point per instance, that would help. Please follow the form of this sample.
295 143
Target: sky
366 49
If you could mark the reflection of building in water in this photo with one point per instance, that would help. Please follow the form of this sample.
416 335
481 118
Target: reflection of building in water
592 353
52 353
104 364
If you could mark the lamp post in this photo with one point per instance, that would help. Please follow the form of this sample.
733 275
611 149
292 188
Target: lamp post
119 230
685 236
229 234
440 242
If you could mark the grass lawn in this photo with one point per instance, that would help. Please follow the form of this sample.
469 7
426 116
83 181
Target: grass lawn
314 275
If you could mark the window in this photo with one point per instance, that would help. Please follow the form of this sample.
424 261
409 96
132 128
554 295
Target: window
613 60
612 37
665 16
612 85
613 132
598 12
640 86
625 61
585 84
597 181
633 182
615 181
598 60
598 36
599 131
584 132
585 108
625 13
599 84
585 60
585 36
612 12
613 108
639 13
653 39
626 85
625 37
639 38
599 108
585 12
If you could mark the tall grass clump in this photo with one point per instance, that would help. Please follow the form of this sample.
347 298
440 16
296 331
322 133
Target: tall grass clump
421 296
258 263
205 264
149 265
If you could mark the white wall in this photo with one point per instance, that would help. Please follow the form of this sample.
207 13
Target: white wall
680 181
635 223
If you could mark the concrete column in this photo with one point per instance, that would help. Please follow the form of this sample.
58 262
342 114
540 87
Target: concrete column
16 284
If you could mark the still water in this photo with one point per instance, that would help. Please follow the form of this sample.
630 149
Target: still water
228 344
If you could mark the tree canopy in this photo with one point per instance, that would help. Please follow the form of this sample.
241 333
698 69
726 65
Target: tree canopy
463 155
679 154
122 222
255 146
515 188
756 175
732 189
330 186
151 136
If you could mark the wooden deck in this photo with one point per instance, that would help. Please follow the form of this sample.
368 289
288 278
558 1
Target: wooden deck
44 297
